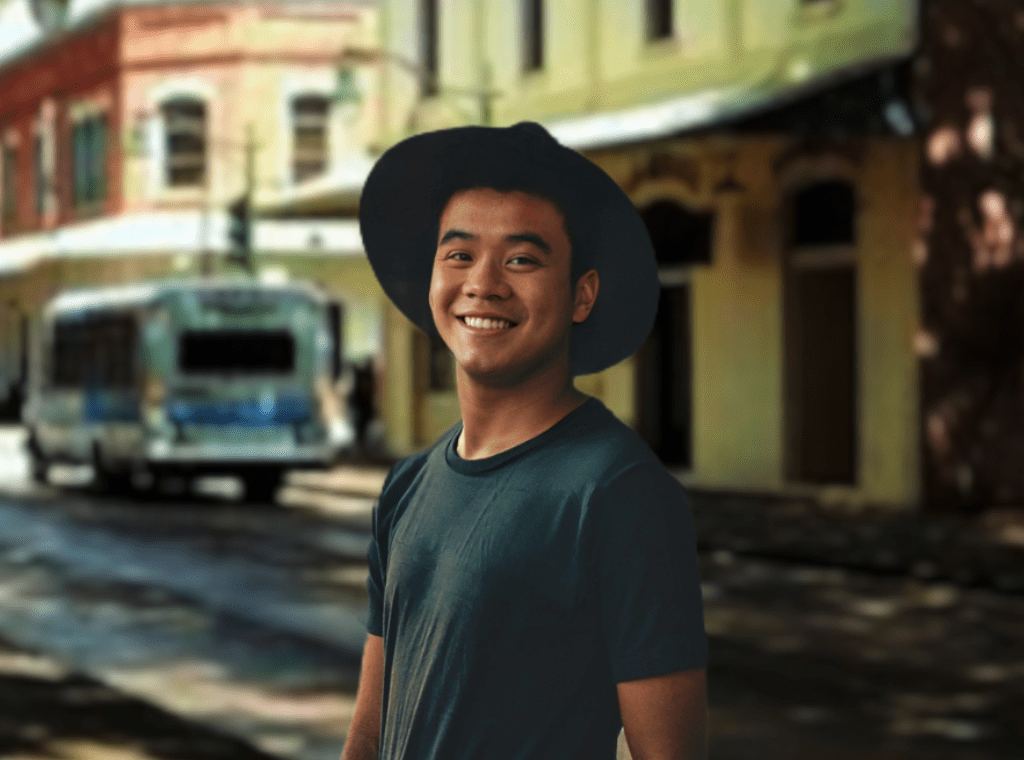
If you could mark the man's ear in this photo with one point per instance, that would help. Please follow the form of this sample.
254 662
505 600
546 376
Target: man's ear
586 295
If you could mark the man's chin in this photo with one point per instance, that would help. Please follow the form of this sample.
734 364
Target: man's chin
506 375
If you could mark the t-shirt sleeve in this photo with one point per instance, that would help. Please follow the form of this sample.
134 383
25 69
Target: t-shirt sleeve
648 579
376 559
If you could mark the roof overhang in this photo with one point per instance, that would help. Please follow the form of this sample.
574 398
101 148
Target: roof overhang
720 108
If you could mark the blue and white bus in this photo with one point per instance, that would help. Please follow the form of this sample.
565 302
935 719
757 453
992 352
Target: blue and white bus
188 378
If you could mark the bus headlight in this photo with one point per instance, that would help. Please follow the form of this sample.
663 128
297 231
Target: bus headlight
156 416
153 394
341 433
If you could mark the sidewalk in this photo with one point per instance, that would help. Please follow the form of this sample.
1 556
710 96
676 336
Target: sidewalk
984 551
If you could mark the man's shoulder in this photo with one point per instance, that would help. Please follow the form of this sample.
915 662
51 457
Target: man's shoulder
600 447
406 471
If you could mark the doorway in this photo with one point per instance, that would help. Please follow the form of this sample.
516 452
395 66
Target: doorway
821 336
664 401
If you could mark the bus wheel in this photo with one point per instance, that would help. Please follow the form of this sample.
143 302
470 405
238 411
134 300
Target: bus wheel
108 480
262 485
39 468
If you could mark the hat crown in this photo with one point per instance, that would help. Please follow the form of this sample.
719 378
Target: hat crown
534 130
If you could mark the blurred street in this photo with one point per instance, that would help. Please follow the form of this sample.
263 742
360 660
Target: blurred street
246 620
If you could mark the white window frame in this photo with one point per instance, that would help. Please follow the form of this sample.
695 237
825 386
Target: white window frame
45 128
320 83
157 186
327 135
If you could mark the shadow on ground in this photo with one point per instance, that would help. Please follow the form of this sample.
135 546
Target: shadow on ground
40 713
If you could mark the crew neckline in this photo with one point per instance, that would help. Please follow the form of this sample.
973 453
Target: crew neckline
474 466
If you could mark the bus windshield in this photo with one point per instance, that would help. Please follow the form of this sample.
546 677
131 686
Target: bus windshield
236 352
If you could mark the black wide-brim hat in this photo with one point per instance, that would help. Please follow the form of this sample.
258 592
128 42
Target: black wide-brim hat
410 185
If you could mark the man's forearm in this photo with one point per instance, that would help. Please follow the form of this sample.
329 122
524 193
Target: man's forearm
359 746
666 717
363 742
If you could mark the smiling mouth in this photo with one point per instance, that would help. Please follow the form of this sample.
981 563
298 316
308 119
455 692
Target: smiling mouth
486 323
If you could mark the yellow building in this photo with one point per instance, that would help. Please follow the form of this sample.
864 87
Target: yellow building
769 146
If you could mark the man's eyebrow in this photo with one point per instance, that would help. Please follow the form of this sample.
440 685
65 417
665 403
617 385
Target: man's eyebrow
456 235
529 237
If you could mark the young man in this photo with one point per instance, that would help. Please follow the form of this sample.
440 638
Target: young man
533 575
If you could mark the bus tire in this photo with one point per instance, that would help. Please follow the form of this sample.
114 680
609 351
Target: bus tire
106 479
262 485
38 465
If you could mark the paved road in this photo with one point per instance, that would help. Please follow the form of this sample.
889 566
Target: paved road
248 619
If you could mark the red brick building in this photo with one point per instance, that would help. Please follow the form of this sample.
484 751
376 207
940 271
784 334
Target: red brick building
127 131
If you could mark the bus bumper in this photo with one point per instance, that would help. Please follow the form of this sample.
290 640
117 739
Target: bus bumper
230 457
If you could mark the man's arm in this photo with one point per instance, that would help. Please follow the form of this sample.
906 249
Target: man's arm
666 717
363 742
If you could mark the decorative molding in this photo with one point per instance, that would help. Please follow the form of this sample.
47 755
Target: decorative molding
661 165
814 158
90 106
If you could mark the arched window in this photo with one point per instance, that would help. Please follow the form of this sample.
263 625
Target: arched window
823 214
310 147
659 20
679 236
533 35
184 121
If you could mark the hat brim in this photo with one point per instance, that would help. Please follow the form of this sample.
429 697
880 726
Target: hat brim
409 186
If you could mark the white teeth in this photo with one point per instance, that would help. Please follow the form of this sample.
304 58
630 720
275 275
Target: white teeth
487 324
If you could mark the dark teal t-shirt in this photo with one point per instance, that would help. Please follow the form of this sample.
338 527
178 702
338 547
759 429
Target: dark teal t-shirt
514 592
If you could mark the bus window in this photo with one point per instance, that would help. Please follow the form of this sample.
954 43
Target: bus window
116 339
236 351
68 361
99 351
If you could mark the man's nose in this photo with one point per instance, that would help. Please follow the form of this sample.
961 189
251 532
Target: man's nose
486 279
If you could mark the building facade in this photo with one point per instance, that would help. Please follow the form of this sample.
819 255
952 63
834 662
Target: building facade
128 131
783 358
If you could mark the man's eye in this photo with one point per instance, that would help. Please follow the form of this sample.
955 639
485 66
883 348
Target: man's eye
522 260
458 256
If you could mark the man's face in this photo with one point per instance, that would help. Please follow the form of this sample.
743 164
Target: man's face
500 292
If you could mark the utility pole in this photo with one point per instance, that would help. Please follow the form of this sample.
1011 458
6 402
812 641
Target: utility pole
250 161
240 213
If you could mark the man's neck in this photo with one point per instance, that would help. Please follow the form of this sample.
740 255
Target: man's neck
496 419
